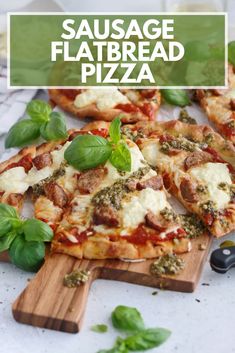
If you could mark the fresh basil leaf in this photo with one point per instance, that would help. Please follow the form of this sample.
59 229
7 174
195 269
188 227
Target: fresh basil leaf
119 347
115 130
27 255
121 157
6 240
176 97
231 52
127 319
147 339
7 211
23 132
36 230
55 128
88 151
5 226
39 110
101 328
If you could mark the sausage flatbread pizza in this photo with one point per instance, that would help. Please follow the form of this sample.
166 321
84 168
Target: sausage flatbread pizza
106 104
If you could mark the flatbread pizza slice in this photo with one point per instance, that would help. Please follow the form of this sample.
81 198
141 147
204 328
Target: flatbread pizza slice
122 215
219 105
107 103
197 166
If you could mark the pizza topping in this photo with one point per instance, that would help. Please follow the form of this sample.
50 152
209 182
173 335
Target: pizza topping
107 215
38 188
184 117
13 180
112 195
148 110
14 199
42 161
188 191
98 132
192 225
91 179
135 208
76 278
103 98
210 211
159 223
169 264
229 128
232 103
211 175
56 194
169 143
196 158
70 93
154 183
25 162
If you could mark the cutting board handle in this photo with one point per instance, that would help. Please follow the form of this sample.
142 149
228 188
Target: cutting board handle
47 303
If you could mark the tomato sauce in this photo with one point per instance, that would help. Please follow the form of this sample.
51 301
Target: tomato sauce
128 108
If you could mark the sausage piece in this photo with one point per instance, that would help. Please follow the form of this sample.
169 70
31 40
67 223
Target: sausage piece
154 183
91 179
42 161
106 215
155 222
196 158
188 191
232 103
56 194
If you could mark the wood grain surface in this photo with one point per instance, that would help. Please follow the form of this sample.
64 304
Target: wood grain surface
47 303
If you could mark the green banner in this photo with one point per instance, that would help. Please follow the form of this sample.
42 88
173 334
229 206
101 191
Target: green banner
155 50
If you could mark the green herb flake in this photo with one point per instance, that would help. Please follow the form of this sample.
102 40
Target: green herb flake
100 328
184 117
192 225
169 264
76 278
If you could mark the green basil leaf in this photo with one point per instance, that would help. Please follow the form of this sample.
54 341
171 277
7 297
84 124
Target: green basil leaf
23 132
55 128
27 255
39 110
119 347
6 240
147 339
5 226
115 130
101 328
36 230
8 211
127 319
121 157
88 151
176 97
231 52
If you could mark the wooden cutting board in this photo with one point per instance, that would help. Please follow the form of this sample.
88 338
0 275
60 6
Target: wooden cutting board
47 303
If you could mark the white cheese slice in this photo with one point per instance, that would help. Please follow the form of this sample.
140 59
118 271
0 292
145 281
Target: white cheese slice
13 180
58 155
153 155
212 174
104 98
135 209
35 176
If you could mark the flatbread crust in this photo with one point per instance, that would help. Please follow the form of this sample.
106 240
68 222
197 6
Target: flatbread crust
66 102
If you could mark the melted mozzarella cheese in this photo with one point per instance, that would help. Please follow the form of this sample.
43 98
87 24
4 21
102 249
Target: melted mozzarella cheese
104 98
230 94
212 174
35 176
58 155
153 155
135 210
68 181
13 180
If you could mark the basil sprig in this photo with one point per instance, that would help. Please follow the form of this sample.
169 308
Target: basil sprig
23 238
129 320
43 122
177 97
89 151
